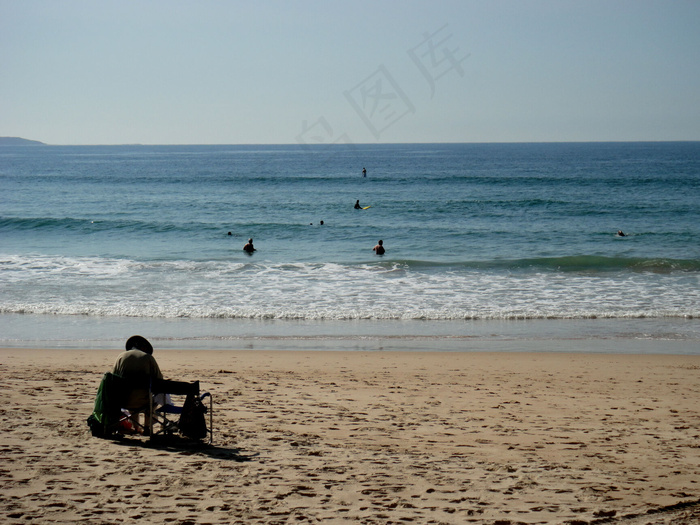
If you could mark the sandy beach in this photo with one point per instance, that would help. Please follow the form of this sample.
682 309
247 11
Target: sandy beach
364 437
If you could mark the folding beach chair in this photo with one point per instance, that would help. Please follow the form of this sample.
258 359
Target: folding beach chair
114 415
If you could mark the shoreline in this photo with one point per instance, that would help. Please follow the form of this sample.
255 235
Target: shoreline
643 336
372 437
383 345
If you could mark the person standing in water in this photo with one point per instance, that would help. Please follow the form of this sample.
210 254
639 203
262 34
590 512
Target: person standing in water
249 248
364 172
379 248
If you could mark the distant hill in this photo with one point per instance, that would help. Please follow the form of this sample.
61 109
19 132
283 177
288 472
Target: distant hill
17 141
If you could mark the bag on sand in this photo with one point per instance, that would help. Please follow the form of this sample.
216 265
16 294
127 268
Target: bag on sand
192 422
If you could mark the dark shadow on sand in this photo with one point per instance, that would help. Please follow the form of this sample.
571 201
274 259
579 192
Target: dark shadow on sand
185 446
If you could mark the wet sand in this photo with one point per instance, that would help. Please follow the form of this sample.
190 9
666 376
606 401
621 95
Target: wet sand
364 437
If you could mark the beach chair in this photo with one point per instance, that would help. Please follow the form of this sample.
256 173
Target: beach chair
114 415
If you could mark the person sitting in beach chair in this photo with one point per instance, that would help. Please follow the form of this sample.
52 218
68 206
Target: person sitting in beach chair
139 369
136 386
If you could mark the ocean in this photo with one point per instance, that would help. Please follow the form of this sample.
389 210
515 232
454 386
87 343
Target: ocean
488 246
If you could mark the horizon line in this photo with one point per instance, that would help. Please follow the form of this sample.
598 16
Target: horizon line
40 143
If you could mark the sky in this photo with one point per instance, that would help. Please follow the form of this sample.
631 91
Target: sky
349 71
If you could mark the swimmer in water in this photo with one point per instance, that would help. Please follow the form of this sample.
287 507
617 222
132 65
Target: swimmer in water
249 248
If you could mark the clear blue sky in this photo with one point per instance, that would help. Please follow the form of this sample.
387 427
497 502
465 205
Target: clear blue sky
323 71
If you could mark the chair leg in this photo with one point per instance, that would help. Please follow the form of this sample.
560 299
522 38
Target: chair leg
149 416
211 418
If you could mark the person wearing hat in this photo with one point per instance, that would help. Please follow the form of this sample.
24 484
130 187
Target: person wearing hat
139 368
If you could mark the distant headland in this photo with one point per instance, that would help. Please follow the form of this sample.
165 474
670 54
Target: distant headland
17 141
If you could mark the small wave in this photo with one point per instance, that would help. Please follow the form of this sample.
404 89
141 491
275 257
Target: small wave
39 223
260 313
582 263
572 263
56 225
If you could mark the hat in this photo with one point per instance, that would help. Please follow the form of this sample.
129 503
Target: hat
139 343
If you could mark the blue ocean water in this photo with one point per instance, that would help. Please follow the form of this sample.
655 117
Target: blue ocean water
100 239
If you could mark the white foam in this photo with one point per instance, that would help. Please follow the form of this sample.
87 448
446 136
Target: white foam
323 291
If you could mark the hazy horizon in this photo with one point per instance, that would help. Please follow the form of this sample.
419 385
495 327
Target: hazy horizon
313 72
355 144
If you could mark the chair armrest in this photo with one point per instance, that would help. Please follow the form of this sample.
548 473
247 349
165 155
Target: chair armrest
166 386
